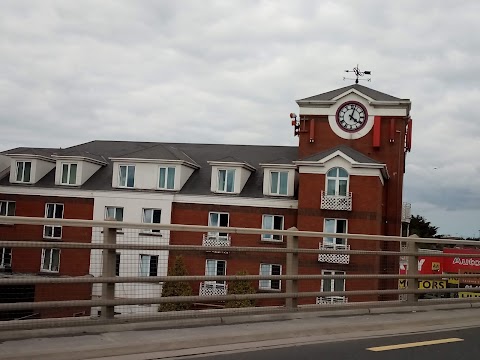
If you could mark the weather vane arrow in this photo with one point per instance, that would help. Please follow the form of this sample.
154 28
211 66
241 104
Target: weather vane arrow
358 74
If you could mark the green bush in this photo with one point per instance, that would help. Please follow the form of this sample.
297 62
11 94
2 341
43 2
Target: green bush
176 288
240 287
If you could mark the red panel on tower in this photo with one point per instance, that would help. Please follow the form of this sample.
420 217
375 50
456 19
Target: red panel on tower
409 135
312 131
376 131
392 130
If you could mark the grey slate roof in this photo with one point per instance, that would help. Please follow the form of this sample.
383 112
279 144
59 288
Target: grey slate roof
199 181
47 152
79 153
374 94
352 153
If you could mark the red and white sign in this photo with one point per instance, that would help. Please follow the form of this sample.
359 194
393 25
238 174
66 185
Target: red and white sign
426 265
458 264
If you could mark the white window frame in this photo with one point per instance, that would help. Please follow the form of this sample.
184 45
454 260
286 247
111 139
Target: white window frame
337 179
115 211
53 227
50 260
150 219
6 206
168 170
3 252
22 177
332 281
127 171
335 241
267 284
151 257
271 237
69 169
216 283
225 187
218 234
279 172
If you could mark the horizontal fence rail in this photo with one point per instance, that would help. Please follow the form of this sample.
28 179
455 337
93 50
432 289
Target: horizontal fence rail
129 268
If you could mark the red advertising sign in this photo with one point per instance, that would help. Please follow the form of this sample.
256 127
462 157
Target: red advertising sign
426 265
460 264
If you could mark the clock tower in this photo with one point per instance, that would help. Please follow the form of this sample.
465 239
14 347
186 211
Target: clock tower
352 147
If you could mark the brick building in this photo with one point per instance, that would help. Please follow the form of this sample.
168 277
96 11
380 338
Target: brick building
345 175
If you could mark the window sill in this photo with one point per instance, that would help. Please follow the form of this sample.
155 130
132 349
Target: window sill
52 238
46 272
272 241
269 290
150 234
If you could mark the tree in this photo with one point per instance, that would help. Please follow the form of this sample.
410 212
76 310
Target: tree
176 288
240 287
421 227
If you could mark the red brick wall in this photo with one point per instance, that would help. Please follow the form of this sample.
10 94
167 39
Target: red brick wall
73 262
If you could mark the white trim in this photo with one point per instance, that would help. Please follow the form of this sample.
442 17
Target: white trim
232 164
28 157
262 238
278 166
332 281
126 176
236 201
155 161
79 158
270 281
43 260
69 169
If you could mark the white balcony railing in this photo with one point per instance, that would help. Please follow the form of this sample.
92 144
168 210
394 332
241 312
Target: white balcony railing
324 300
336 202
215 240
334 258
406 212
212 288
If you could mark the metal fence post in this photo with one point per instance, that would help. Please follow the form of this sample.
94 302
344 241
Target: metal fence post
108 270
412 268
292 269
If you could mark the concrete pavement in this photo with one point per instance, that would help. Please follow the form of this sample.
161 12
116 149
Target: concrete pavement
298 328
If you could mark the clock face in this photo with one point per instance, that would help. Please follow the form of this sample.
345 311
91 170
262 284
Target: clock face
351 116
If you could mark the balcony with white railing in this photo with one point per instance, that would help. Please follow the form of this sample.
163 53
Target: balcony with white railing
212 239
406 212
336 202
212 288
325 300
334 258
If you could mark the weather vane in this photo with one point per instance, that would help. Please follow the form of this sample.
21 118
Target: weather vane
358 73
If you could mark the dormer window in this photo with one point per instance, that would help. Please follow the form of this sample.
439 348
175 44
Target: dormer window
126 176
279 182
69 174
337 181
24 169
167 178
226 180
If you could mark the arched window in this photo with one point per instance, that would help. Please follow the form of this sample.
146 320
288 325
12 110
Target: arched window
337 181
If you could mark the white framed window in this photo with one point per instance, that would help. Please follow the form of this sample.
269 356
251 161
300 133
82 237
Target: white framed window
152 216
115 213
69 174
215 267
148 265
218 220
23 171
53 211
270 269
272 222
166 178
126 176
328 285
338 226
5 257
279 182
337 181
226 180
50 260
7 208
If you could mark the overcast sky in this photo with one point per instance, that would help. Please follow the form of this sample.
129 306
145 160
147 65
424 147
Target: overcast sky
230 72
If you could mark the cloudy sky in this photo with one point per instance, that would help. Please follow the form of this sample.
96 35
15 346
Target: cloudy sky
230 72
